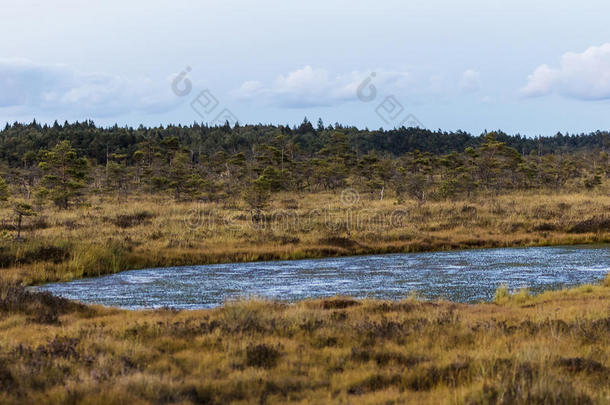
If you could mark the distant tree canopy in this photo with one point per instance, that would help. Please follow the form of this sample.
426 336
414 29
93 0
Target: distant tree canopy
62 163
19 143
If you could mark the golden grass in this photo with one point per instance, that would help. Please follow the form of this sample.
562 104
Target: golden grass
553 348
106 236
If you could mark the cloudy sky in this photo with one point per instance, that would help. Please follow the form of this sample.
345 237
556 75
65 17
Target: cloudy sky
533 68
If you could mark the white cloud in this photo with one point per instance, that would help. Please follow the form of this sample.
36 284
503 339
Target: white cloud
541 82
36 88
314 87
584 76
470 81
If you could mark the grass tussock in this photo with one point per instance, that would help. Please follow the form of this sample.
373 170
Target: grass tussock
552 348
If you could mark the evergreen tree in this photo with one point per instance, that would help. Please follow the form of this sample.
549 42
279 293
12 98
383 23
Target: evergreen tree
64 174
258 193
22 209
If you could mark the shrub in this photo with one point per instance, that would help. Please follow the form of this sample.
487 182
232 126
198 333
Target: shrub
262 355
595 224
131 220
42 307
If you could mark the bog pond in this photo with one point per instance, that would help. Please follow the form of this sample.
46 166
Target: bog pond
462 276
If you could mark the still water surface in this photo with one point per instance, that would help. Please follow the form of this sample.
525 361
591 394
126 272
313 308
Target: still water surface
463 276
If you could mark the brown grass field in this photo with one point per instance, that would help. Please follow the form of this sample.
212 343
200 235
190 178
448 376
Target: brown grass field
552 348
107 236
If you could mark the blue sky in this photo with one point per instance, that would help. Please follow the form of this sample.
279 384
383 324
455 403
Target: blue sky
533 68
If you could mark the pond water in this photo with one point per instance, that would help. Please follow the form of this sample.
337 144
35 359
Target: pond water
462 276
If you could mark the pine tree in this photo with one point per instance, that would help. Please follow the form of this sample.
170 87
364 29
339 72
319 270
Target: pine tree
22 209
64 174
258 193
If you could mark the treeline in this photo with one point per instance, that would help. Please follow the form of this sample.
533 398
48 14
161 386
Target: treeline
20 142
63 163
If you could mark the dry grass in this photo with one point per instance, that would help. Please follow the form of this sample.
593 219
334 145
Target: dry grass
107 236
549 349
553 348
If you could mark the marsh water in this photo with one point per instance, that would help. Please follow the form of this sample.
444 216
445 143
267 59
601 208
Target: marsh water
463 276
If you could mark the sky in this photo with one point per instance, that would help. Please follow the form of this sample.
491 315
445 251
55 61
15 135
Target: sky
534 68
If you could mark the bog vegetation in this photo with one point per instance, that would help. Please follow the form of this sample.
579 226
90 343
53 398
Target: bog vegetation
553 348
80 200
